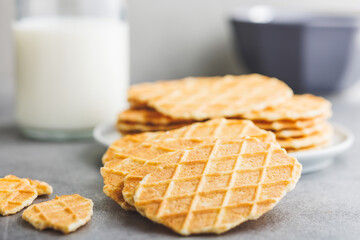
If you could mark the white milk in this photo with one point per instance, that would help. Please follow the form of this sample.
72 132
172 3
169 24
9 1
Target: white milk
72 73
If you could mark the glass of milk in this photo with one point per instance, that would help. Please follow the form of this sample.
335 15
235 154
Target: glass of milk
71 61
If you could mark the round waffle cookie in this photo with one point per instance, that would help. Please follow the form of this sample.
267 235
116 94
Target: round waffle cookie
211 97
215 187
314 139
65 213
298 107
132 152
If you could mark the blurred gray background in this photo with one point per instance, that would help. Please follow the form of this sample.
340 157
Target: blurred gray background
173 39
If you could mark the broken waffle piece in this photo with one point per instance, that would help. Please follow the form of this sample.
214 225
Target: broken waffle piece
42 188
65 213
15 194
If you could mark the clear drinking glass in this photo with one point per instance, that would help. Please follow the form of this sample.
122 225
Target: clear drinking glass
71 65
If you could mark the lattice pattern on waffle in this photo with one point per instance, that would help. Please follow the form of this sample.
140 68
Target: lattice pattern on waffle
132 152
115 171
298 107
42 188
65 213
114 152
211 97
132 178
15 194
216 187
314 139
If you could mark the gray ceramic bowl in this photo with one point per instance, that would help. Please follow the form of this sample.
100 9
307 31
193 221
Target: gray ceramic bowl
311 52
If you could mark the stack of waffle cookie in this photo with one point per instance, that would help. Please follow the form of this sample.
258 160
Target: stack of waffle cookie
299 124
207 177
298 121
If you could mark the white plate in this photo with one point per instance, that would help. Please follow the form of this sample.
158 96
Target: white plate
312 160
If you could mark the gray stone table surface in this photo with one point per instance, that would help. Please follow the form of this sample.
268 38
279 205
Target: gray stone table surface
324 205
